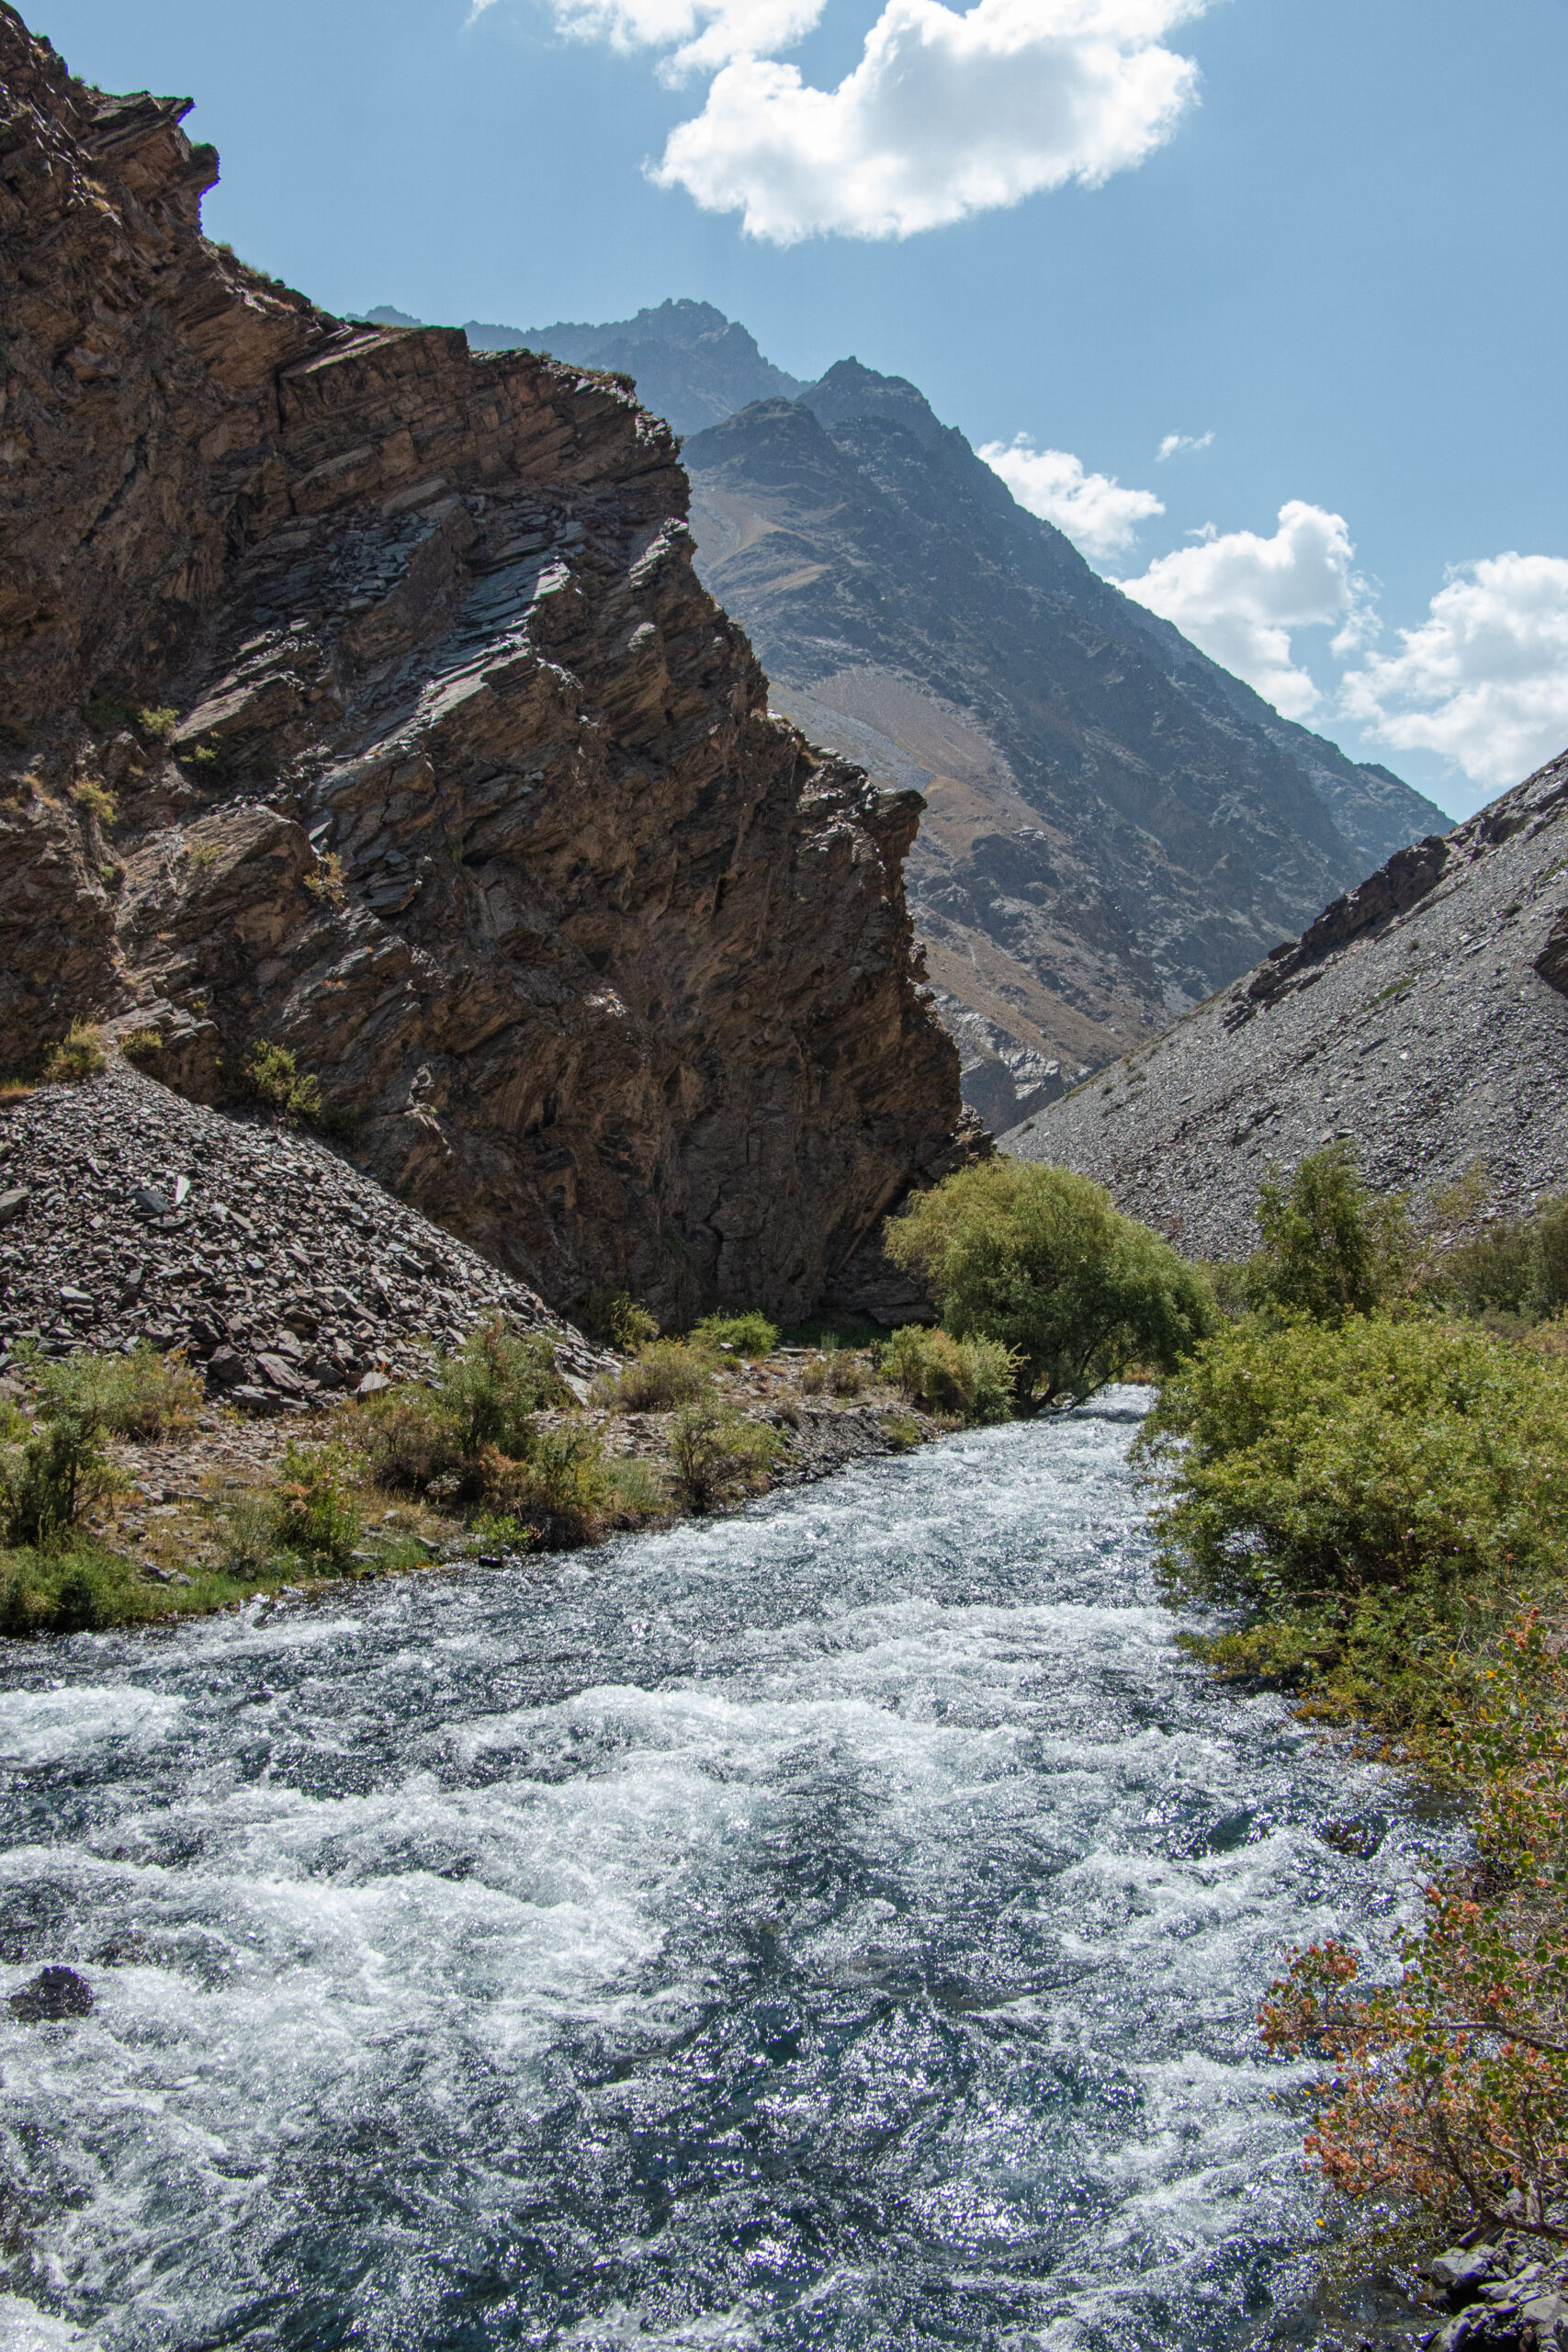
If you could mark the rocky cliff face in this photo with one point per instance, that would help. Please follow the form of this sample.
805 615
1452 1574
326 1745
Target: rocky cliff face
466 791
1116 826
688 363
1421 1018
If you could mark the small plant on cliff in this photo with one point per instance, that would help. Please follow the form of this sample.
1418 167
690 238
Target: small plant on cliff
79 1054
95 801
325 881
614 1317
160 724
719 1454
272 1076
1036 1259
142 1044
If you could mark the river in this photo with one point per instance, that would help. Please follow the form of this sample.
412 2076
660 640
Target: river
834 1925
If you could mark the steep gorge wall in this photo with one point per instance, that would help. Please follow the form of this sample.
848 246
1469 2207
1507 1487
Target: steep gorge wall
472 795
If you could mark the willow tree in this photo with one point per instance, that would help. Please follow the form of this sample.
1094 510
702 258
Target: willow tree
1038 1258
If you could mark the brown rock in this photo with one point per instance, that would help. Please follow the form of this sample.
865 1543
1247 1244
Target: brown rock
472 800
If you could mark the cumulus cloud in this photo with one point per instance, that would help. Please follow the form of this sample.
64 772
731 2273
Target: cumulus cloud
944 116
698 35
1094 510
1240 597
1175 444
1485 678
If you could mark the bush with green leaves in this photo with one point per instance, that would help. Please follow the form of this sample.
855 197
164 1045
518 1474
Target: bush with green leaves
665 1373
614 1317
719 1454
314 1513
139 1395
271 1076
489 1391
1036 1259
562 1489
49 1477
1514 1266
1374 1495
749 1334
1331 1247
974 1379
78 1055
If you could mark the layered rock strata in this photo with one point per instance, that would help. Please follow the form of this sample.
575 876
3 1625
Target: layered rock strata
1421 1018
362 698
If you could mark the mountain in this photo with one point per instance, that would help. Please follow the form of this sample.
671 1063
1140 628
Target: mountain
362 699
1115 826
690 364
1422 1018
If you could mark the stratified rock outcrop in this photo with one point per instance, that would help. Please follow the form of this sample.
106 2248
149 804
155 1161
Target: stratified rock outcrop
361 697
1421 1018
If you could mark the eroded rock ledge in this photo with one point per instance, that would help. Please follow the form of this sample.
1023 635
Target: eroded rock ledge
469 797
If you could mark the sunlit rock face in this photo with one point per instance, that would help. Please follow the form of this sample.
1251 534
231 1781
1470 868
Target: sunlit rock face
456 782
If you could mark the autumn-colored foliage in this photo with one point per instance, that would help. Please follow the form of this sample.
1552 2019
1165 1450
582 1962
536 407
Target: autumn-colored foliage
1448 2090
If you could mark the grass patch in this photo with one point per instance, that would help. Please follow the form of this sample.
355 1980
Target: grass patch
665 1374
79 1054
750 1334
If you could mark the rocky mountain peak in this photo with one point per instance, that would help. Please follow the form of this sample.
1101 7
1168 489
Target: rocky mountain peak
849 392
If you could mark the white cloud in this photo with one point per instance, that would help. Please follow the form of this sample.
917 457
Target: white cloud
1484 679
1175 444
945 114
1094 510
701 35
1240 597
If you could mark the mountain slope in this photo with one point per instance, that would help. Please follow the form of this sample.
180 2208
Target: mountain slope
1423 1018
362 698
690 364
1113 828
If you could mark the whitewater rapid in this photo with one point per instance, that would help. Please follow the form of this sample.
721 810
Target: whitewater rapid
839 1925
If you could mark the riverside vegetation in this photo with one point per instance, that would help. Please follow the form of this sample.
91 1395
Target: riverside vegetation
1367 1470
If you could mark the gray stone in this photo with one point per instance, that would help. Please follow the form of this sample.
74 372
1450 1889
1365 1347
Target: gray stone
52 1994
13 1203
150 1202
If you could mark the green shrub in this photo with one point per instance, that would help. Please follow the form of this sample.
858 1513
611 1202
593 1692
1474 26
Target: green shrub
142 1044
1515 1266
50 1478
843 1371
562 1489
615 1318
246 1534
489 1391
1330 1247
751 1334
405 1440
974 1379
314 1510
719 1454
79 1054
143 1395
665 1373
1373 1495
159 723
1037 1260
271 1076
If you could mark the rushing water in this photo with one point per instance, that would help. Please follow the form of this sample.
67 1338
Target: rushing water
836 1926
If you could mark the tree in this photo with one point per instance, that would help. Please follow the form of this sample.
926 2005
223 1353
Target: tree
1330 1248
1038 1259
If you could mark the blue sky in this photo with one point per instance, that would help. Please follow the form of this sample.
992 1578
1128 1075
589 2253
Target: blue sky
1328 233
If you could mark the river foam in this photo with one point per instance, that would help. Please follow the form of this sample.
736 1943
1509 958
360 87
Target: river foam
838 1925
